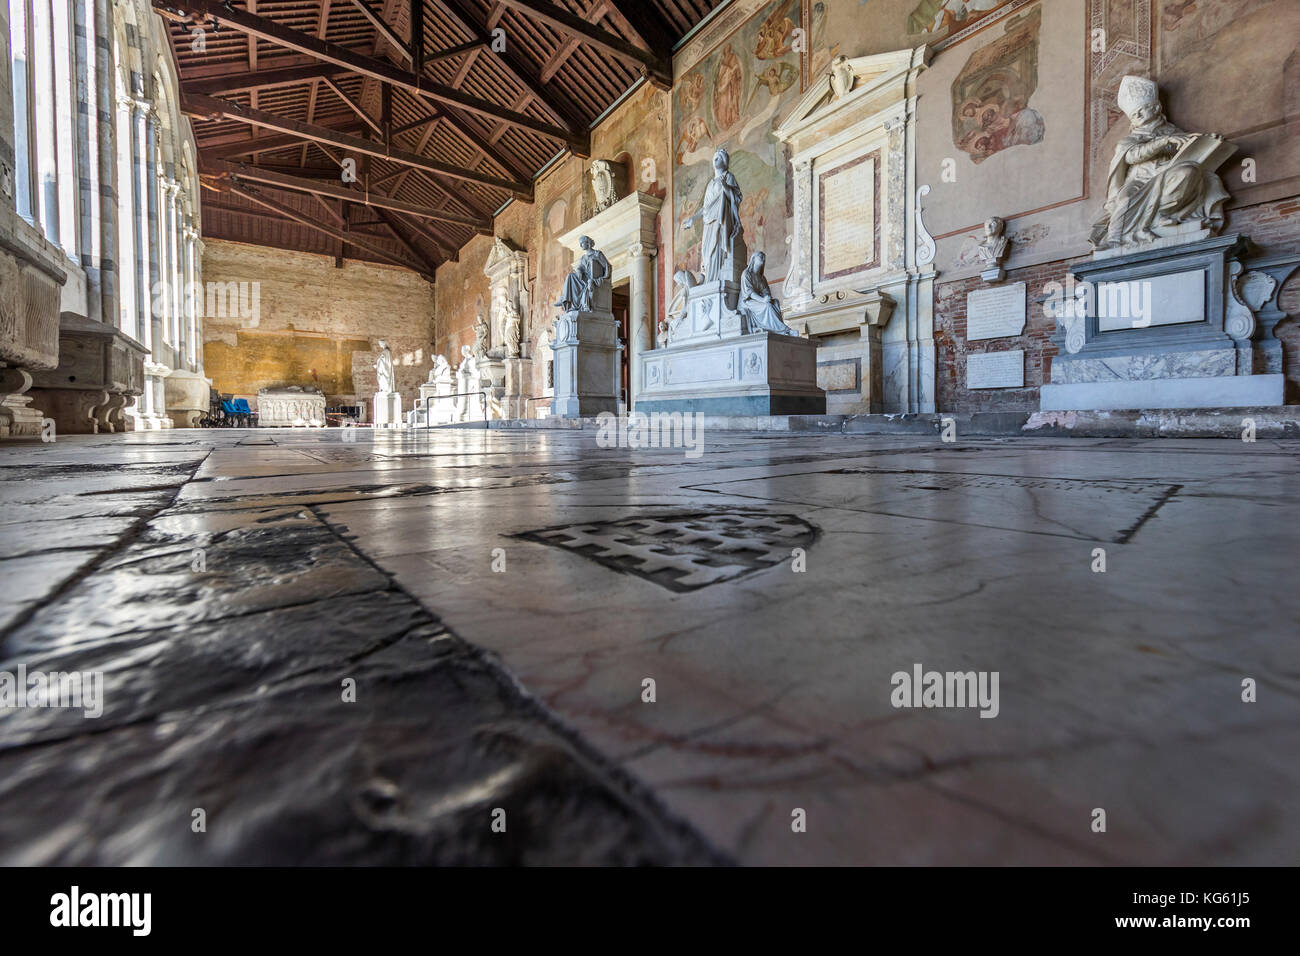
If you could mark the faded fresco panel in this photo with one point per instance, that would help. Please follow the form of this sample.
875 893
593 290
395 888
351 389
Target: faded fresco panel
991 95
934 21
1255 101
1030 162
734 96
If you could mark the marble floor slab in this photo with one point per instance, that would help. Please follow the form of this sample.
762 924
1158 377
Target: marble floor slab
1121 590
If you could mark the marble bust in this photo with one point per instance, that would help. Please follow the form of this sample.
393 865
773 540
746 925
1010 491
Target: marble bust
756 303
602 184
723 240
1161 177
589 278
993 249
441 371
384 368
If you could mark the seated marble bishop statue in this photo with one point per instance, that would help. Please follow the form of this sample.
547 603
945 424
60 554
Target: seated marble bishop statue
586 288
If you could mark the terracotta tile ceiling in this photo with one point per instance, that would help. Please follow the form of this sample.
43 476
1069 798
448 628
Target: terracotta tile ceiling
283 92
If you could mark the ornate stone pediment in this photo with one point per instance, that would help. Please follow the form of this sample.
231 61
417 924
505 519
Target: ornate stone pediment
854 88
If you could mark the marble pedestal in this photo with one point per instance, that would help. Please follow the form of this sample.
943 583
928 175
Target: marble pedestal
1164 327
388 410
762 373
188 395
514 400
710 314
441 408
586 365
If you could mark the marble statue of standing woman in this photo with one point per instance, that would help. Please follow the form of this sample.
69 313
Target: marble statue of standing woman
723 233
384 368
756 302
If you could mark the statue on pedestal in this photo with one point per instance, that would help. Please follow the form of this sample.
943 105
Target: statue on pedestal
482 337
384 368
761 310
511 323
1160 176
723 232
591 273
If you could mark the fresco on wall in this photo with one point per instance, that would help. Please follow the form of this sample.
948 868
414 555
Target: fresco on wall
734 97
936 20
1254 102
990 97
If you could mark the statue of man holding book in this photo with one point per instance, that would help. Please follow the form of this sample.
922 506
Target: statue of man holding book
1161 176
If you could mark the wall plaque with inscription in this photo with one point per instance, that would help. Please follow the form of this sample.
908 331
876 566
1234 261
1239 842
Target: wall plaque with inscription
849 211
993 313
996 369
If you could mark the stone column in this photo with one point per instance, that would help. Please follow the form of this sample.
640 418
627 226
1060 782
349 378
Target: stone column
100 16
128 315
641 311
175 275
153 190
140 218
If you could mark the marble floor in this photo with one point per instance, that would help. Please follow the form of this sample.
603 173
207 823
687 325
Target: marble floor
501 600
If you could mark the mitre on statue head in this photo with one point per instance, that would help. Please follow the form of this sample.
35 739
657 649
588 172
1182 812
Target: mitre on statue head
1136 92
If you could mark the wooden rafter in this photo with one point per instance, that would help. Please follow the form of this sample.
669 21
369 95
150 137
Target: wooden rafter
335 190
261 198
655 66
207 107
384 71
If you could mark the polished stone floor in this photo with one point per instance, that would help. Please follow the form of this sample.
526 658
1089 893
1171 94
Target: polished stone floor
500 600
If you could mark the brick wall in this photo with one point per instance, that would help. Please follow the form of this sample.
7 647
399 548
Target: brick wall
952 347
1274 227
318 324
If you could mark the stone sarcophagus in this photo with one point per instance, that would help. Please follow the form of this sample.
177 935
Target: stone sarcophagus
30 285
292 407
100 370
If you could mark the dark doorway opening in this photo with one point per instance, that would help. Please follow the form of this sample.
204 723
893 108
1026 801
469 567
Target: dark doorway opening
622 310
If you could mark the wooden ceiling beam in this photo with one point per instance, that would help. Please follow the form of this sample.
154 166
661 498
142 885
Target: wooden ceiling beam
647 25
335 190
207 107
385 71
261 79
261 198
655 67
229 145
524 75
353 104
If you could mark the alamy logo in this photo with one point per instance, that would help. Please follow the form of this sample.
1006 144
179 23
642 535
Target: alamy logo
133 910
211 300
1127 302
655 430
922 688
75 689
